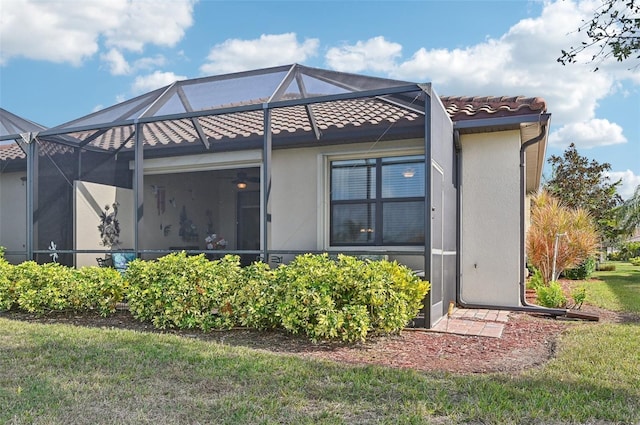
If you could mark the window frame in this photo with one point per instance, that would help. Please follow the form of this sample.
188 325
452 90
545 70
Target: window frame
378 202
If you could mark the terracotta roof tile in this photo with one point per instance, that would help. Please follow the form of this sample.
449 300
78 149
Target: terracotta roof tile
10 151
461 108
337 114
13 151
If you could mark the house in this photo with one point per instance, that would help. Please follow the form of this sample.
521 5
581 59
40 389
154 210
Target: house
276 162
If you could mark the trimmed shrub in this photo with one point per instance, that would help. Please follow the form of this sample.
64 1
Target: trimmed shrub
635 261
180 291
256 297
42 287
8 295
346 298
583 271
312 300
551 295
96 288
605 267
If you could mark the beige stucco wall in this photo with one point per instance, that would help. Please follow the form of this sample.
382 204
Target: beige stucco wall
300 197
13 224
490 218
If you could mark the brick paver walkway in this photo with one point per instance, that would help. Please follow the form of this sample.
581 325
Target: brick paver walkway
477 322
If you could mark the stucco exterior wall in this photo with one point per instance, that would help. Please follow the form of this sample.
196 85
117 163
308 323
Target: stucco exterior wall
490 218
13 224
300 193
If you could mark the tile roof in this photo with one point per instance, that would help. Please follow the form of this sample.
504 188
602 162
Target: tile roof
329 115
462 108
340 114
10 151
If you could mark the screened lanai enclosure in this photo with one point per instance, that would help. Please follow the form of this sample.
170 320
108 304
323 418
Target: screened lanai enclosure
15 134
266 164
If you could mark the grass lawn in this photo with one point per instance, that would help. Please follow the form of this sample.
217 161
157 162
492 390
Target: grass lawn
61 374
617 290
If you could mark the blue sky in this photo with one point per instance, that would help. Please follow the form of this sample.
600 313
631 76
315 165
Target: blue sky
62 59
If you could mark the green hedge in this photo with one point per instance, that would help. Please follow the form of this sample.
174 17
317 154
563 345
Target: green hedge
321 297
346 298
583 271
180 291
41 288
7 289
626 251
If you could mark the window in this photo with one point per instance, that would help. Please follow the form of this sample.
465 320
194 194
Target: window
378 201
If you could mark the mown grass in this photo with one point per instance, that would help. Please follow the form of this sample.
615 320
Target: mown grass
61 374
617 290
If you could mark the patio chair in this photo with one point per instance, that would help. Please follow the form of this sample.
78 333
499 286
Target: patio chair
121 260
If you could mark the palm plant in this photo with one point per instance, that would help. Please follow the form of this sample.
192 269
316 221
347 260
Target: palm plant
559 237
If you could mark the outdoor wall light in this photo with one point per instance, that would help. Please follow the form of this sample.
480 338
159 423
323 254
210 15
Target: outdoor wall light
241 185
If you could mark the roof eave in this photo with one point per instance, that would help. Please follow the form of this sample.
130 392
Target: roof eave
499 124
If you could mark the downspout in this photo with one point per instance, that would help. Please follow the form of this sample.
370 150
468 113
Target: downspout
523 148
525 306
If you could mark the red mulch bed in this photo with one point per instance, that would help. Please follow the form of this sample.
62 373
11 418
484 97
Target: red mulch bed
527 341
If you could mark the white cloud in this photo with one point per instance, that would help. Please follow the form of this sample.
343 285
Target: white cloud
146 83
588 134
520 62
629 182
118 65
51 30
69 32
269 50
376 54
149 62
155 22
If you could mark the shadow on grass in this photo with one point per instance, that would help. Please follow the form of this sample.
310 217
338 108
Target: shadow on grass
65 374
624 284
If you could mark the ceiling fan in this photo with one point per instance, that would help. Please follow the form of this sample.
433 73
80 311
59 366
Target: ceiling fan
242 179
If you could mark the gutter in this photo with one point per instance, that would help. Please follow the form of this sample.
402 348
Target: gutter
525 307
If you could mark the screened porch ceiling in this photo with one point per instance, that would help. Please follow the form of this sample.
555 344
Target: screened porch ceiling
206 112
